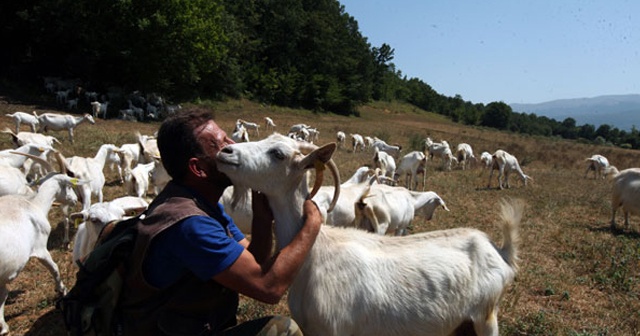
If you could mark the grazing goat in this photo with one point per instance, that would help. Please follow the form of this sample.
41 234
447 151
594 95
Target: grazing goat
97 108
249 126
626 188
25 118
506 163
597 164
240 134
465 156
383 209
99 215
269 124
487 160
25 229
443 151
58 122
24 138
385 162
357 142
384 147
409 167
356 283
340 138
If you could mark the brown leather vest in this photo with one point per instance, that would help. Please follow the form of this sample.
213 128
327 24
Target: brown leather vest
189 307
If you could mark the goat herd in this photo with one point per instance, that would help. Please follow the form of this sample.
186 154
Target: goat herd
359 279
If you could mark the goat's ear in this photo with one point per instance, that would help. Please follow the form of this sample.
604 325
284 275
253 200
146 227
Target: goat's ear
322 154
78 216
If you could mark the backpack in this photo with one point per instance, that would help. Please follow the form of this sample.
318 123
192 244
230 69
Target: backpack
91 306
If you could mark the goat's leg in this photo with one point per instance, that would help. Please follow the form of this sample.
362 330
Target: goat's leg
487 326
4 293
626 218
45 259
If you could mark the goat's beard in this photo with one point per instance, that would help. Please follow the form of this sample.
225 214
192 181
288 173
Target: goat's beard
240 196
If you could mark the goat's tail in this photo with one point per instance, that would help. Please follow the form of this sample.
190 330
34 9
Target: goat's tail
511 211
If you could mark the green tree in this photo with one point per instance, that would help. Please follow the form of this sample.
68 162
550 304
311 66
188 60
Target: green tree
497 115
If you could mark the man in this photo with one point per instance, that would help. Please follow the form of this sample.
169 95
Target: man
190 261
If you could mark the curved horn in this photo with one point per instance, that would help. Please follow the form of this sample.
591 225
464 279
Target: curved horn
64 166
336 180
37 159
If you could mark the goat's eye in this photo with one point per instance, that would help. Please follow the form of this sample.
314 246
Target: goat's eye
278 154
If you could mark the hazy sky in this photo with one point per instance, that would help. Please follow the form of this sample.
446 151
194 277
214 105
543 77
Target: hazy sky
510 51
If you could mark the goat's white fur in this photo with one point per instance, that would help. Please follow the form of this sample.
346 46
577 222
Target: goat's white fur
58 122
357 283
506 163
597 164
464 154
384 209
385 162
25 118
99 215
409 167
626 188
24 231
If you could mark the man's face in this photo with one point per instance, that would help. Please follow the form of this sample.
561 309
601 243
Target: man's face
213 139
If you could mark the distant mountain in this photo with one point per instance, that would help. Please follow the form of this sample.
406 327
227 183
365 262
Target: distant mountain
620 111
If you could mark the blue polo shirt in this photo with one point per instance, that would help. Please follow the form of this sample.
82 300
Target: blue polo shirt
202 245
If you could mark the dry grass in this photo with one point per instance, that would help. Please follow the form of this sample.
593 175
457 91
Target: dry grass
576 276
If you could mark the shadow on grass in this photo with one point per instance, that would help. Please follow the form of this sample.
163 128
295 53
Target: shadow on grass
50 323
616 231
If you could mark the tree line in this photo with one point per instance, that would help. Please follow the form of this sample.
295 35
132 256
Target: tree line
297 53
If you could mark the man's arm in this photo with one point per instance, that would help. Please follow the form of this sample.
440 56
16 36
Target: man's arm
268 280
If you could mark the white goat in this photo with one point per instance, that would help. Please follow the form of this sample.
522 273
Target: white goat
368 142
250 126
340 138
25 229
297 127
409 167
383 209
465 156
487 160
25 118
381 145
240 134
269 124
97 108
99 215
385 162
598 164
443 151
13 182
357 283
506 163
58 122
24 138
357 142
138 179
626 188
91 169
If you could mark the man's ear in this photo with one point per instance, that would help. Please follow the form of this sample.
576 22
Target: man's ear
195 168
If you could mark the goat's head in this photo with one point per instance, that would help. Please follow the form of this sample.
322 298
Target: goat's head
277 166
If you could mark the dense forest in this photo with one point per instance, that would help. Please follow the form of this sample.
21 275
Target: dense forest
297 53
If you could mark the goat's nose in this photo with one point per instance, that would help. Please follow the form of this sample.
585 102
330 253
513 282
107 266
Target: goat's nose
227 150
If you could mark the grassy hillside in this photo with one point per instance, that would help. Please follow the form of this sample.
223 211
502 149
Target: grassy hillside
576 276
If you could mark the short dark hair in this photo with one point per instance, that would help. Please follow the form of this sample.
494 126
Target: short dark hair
177 141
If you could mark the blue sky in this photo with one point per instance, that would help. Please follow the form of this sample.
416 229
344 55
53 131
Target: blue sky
510 51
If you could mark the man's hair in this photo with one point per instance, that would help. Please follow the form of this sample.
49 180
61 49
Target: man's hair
177 140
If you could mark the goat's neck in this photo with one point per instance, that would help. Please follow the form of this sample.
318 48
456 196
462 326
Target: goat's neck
101 156
46 194
78 120
287 213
